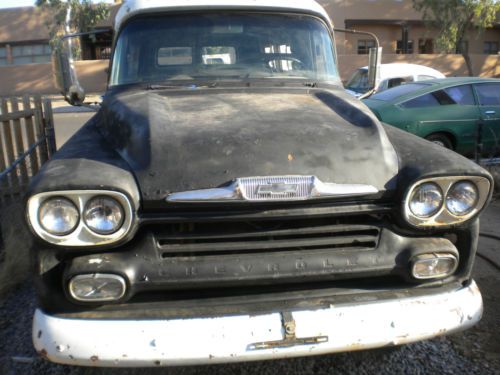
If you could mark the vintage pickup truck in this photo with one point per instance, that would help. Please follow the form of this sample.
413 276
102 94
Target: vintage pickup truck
231 202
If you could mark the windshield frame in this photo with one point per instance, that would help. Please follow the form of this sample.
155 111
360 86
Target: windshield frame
281 80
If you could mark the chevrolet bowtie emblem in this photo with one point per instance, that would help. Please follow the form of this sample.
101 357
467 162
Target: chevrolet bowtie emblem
278 190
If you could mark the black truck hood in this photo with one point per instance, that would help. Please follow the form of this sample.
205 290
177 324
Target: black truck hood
181 140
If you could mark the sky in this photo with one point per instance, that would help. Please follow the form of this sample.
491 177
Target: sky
15 3
23 3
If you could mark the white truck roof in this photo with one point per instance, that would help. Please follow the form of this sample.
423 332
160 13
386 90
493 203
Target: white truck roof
401 70
131 8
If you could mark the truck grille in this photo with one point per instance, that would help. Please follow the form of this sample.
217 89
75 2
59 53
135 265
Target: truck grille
204 239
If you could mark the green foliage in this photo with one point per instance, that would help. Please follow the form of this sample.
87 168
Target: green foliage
84 15
454 18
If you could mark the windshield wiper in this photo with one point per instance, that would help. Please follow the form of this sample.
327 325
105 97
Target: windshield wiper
167 87
181 87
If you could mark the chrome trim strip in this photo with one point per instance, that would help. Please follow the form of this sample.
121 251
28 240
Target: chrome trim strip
217 194
443 217
273 188
82 235
458 120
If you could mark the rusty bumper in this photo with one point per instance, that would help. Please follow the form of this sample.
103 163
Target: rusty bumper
343 327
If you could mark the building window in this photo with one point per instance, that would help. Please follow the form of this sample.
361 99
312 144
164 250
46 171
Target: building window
491 48
364 46
400 50
425 46
3 56
30 53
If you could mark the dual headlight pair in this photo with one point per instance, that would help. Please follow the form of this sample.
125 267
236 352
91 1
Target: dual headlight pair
80 218
60 216
444 201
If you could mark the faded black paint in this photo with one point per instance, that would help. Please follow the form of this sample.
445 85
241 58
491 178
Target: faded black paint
148 143
205 138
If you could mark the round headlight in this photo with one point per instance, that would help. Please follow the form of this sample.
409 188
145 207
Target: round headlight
103 215
462 198
426 200
58 216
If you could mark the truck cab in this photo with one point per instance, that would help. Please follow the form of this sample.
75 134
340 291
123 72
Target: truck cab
231 202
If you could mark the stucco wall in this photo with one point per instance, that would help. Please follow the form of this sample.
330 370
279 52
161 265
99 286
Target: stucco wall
449 65
37 78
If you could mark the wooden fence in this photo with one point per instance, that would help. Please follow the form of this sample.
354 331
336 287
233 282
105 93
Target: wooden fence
26 142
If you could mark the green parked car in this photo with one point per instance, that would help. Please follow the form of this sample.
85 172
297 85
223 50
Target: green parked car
445 111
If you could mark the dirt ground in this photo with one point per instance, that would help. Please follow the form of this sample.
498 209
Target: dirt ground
482 342
15 241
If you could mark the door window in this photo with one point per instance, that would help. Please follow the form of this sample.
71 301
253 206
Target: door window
218 55
461 94
427 100
394 82
488 93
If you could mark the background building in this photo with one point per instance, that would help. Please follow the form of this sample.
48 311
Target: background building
25 53
24 36
399 27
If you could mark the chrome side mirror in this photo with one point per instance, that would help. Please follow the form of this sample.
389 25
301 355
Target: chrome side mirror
63 69
374 63
65 78
374 60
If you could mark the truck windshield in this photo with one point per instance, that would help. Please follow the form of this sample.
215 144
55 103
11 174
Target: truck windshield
224 46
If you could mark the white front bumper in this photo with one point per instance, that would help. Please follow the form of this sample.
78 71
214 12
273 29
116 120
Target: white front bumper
142 343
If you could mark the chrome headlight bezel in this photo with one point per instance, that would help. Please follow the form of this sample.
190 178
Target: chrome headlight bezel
443 217
82 235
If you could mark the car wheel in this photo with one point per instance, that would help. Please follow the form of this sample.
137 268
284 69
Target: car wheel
441 140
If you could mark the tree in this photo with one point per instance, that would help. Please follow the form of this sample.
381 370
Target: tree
454 18
84 15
